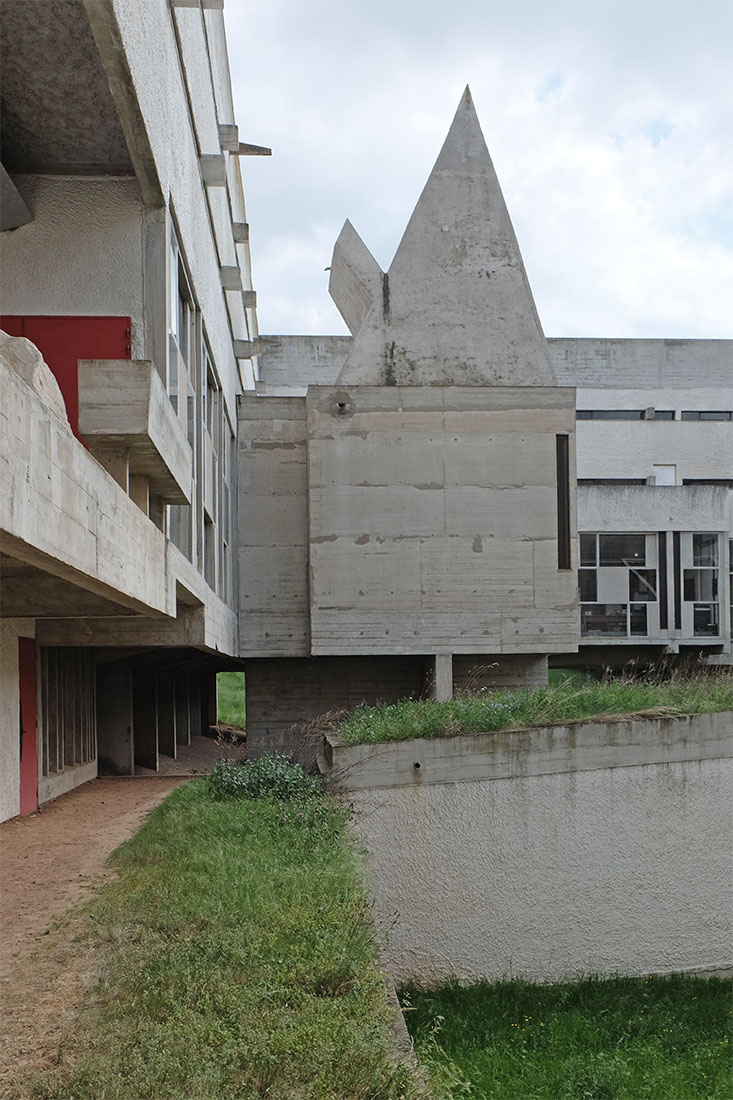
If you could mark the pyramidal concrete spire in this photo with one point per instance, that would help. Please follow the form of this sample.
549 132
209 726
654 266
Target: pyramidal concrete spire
455 307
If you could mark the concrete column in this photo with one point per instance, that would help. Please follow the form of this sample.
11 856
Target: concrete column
115 742
183 711
194 705
115 462
145 717
167 713
443 677
140 492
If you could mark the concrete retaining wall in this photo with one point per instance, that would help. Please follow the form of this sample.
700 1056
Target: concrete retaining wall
600 847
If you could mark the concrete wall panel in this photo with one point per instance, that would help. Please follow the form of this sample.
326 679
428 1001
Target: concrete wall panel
547 854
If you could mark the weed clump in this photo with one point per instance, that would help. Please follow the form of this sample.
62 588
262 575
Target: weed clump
271 776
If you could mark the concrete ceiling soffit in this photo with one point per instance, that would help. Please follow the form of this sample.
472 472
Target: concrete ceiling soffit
58 116
356 278
456 307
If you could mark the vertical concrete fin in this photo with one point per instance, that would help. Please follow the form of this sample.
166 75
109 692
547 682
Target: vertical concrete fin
456 307
356 278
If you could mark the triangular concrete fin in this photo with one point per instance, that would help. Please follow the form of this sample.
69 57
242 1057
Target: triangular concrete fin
455 307
356 278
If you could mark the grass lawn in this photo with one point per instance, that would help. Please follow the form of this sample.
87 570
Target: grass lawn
570 698
237 962
230 699
621 1039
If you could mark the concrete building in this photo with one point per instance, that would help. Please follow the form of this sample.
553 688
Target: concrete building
129 315
408 493
350 518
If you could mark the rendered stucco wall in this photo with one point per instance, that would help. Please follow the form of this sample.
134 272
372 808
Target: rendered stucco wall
564 865
10 631
165 107
52 264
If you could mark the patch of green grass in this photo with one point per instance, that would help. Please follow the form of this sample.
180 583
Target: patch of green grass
568 699
577 676
620 1039
238 962
230 699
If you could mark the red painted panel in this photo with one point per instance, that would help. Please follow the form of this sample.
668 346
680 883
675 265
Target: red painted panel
28 726
64 340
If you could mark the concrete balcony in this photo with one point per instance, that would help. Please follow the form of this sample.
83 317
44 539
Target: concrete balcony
124 409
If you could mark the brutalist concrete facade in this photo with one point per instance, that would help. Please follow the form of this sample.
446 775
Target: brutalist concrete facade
421 505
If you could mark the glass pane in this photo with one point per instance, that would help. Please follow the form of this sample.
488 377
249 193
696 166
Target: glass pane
588 585
603 618
588 550
705 618
664 414
700 584
704 549
642 584
618 414
622 549
637 618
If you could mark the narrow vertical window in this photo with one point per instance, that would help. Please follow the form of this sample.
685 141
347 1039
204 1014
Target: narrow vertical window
662 565
677 557
562 458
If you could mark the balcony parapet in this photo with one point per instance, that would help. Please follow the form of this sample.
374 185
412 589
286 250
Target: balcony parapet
123 406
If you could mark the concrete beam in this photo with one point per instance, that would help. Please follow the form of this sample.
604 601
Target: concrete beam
240 232
228 137
108 38
231 278
246 150
246 349
213 169
249 299
188 629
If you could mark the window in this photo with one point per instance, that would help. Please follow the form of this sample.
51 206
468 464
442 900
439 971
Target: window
622 549
181 379
710 414
618 585
624 414
609 414
700 588
730 582
562 470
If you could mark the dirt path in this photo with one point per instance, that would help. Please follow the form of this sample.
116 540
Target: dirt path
49 862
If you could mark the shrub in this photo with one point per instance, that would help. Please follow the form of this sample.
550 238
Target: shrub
269 776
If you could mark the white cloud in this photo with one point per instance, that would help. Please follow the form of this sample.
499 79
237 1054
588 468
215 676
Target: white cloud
608 122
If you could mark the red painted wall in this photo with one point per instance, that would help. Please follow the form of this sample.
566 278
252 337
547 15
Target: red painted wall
64 340
29 725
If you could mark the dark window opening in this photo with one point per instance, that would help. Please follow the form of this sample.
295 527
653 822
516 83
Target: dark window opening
642 585
588 585
622 549
562 460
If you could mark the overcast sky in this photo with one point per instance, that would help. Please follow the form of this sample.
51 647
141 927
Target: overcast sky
609 122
